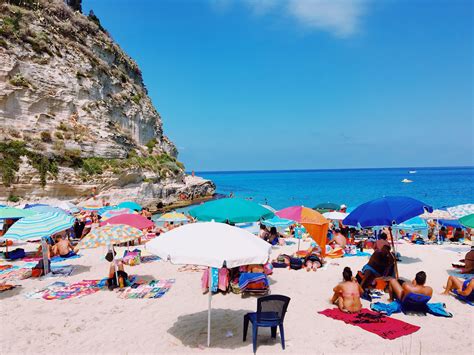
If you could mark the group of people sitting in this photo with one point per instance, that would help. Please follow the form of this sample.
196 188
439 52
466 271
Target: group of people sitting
347 294
271 236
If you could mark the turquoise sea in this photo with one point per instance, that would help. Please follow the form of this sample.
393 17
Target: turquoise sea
436 186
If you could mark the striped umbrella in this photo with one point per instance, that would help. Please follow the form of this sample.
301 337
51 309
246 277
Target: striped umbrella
109 235
173 217
46 209
116 212
12 212
461 210
39 226
438 214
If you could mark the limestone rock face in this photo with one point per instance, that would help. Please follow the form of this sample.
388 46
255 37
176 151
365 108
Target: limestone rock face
67 89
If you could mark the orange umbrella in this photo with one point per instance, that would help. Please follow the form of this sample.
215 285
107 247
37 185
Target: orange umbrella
314 222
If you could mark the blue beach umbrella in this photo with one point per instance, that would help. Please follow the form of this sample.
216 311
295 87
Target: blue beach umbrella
15 213
104 209
386 211
415 223
40 226
278 222
131 205
46 209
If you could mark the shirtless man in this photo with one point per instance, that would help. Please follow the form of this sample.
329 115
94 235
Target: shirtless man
399 291
347 293
339 239
63 247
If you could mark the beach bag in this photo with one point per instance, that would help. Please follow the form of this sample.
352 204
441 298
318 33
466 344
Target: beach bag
18 253
132 258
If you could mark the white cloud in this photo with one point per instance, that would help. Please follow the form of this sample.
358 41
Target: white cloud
339 17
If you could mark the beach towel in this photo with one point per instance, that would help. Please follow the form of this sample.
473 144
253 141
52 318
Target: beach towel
7 268
462 298
376 323
149 258
15 273
65 291
58 259
247 278
359 253
436 309
140 289
63 270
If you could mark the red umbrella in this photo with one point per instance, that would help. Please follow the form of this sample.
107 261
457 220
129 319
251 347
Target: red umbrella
133 220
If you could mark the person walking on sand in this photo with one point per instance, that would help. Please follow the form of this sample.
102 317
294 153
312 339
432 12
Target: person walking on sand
347 294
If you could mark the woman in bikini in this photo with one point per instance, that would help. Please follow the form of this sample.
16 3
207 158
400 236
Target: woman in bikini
464 288
347 293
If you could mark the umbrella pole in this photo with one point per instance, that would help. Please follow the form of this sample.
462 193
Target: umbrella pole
209 309
393 247
44 247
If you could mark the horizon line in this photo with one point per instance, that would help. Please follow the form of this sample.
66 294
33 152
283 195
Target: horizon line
331 169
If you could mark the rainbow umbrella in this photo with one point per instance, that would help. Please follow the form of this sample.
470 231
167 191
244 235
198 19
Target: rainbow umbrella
133 220
109 235
173 217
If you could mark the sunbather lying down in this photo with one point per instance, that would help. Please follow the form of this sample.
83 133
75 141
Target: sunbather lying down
347 294
465 288
399 289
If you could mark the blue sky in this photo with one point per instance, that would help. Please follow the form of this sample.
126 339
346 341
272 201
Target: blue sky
294 84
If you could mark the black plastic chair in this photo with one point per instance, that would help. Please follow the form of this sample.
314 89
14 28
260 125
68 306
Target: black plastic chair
271 312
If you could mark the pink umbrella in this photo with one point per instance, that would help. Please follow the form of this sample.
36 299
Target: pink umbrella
133 220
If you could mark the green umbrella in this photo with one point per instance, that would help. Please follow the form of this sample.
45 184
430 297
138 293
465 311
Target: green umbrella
467 221
232 210
326 207
12 212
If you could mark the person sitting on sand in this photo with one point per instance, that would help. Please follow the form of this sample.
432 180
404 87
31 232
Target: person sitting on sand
399 290
274 238
347 293
381 242
469 262
263 232
339 239
379 264
116 265
63 247
463 287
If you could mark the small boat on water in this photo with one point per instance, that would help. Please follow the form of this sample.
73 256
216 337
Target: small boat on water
407 181
412 172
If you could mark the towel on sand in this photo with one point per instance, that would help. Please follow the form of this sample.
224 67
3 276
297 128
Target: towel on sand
142 289
436 309
383 326
62 290
359 253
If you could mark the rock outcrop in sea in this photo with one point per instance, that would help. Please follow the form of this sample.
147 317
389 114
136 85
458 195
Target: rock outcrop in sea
75 113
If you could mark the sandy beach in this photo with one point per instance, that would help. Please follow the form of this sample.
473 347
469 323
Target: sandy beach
177 322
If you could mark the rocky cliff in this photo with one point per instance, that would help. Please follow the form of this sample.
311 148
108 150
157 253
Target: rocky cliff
74 112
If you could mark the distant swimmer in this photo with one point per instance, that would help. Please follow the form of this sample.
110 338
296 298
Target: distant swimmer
406 181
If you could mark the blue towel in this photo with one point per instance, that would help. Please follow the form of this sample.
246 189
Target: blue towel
359 253
246 278
462 298
57 259
436 309
214 279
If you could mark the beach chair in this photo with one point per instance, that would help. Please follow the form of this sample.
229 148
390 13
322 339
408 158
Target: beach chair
270 313
415 303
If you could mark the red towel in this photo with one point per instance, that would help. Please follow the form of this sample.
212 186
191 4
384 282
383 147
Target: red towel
386 327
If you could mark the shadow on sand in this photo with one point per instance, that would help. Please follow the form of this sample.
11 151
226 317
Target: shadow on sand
226 330
408 260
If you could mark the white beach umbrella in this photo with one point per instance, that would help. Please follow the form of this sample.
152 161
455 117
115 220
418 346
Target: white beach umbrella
438 214
210 244
460 211
335 216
